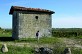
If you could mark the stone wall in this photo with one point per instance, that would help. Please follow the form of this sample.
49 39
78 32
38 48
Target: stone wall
28 23
15 25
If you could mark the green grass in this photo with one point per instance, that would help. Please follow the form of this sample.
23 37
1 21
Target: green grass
19 50
4 33
79 37
49 40
59 46
43 40
30 50
60 50
76 51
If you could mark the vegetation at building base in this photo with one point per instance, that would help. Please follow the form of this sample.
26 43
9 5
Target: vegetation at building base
43 40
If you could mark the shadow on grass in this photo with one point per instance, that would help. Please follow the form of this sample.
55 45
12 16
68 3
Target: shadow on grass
6 39
27 40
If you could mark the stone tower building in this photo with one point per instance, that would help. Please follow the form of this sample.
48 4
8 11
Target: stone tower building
27 21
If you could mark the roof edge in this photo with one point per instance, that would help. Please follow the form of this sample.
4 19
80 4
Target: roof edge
18 8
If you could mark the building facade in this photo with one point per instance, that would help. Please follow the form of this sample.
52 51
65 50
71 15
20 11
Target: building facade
27 21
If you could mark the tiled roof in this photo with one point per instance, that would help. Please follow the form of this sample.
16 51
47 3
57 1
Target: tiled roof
18 8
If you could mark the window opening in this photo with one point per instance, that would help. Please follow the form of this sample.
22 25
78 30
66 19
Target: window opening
36 17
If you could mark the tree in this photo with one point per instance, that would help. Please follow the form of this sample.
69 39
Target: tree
0 28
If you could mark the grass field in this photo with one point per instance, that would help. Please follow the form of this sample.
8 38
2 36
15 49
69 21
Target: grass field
5 33
58 46
26 46
18 50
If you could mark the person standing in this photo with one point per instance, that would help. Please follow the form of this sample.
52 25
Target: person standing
37 35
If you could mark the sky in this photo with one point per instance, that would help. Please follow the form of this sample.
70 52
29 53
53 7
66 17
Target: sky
68 13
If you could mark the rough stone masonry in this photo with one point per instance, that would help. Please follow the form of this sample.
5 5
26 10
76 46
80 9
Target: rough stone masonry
27 21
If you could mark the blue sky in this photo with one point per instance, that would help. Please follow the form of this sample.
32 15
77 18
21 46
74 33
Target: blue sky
68 13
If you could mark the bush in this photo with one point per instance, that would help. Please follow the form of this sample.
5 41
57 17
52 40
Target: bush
70 32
